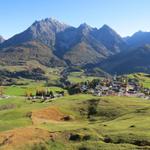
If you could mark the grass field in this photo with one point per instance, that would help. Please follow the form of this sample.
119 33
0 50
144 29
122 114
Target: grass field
21 90
76 77
96 123
143 78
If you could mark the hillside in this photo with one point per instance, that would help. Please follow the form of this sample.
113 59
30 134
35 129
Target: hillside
115 123
112 40
88 41
136 60
31 50
144 79
138 39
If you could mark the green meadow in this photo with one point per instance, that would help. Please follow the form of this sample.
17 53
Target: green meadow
108 122
77 77
144 79
95 123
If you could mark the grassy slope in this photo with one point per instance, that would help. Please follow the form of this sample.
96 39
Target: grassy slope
76 77
21 90
124 120
143 78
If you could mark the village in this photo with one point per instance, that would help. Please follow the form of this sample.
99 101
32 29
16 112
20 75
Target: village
119 86
115 86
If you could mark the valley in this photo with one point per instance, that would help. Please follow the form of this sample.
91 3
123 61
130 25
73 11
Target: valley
74 88
80 121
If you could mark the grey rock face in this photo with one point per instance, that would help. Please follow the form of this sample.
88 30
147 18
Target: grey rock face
44 31
110 39
1 39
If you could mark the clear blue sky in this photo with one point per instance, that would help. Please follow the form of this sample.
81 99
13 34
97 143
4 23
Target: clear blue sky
125 16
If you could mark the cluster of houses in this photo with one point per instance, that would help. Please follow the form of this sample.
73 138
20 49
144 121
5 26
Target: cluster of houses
117 86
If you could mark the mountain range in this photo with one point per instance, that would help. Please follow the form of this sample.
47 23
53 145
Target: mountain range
57 44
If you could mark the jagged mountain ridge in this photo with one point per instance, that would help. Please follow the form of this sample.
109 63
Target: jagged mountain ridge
53 43
78 46
44 31
85 40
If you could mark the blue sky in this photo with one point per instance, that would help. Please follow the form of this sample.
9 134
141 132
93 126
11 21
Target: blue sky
125 16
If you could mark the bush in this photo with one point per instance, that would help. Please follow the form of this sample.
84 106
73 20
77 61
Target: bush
107 140
75 137
86 137
84 148
29 114
92 110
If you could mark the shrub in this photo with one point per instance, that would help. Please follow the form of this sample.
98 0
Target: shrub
75 137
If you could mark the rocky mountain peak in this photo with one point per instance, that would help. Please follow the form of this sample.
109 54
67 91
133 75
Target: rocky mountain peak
85 26
110 39
105 29
85 29
44 31
49 24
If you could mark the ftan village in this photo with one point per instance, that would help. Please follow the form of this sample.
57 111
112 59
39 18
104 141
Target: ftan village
115 86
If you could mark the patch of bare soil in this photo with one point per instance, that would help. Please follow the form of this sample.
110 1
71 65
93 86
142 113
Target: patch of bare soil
10 140
48 114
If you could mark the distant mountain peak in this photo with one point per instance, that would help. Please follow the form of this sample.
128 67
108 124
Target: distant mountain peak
44 31
84 28
50 23
138 39
140 33
105 26
85 25
1 39
49 20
